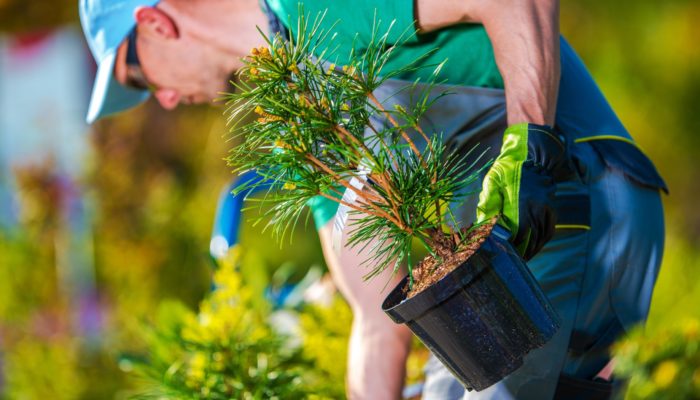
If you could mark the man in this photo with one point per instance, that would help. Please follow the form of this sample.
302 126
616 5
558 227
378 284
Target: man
601 264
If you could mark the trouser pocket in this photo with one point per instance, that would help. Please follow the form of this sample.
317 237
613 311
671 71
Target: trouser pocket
572 388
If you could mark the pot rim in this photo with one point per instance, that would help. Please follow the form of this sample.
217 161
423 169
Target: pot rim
402 309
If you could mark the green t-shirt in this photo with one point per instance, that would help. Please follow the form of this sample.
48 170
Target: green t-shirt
466 47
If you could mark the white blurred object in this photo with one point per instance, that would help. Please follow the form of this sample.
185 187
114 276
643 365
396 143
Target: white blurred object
218 247
341 215
286 323
412 391
43 98
44 89
321 292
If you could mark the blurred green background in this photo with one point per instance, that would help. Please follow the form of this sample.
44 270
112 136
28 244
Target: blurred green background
154 177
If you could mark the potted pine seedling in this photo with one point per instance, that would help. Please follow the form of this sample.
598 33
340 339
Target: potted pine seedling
472 300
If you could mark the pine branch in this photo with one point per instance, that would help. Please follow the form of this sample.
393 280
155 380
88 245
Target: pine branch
391 119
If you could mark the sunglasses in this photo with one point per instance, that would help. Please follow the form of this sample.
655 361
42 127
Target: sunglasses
134 74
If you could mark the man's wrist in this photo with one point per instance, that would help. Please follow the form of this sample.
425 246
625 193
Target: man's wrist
535 113
526 134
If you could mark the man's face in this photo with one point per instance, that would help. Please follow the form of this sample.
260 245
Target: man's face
178 67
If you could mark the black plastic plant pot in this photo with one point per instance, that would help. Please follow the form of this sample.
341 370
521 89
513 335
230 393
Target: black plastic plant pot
481 319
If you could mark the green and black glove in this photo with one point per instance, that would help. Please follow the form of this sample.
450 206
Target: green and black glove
520 185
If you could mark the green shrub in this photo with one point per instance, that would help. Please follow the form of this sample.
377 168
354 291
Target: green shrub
662 365
225 351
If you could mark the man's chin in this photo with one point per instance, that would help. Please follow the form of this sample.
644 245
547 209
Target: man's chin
200 99
217 96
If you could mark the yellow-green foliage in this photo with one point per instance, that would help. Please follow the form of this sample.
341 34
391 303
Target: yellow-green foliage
663 360
42 368
677 291
226 351
662 365
326 331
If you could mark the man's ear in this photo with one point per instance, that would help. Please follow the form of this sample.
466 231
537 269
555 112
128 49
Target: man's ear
157 21
168 98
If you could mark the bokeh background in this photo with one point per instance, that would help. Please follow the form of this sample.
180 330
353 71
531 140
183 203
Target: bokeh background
99 226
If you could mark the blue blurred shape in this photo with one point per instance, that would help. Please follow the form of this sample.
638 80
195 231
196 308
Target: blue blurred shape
228 211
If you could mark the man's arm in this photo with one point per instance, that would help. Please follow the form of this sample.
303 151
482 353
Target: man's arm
525 39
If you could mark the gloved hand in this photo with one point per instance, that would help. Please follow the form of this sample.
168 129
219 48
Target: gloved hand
520 185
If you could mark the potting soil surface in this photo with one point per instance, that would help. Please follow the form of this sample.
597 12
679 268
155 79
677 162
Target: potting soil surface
430 270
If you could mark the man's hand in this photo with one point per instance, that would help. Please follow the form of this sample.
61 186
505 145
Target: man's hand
520 185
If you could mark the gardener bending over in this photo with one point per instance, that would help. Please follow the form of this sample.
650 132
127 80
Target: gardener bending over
601 263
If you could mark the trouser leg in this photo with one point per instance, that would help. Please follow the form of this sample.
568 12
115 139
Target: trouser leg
623 264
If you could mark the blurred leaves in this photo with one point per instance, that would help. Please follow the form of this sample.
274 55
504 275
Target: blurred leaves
664 365
677 292
21 16
155 179
326 331
44 369
225 351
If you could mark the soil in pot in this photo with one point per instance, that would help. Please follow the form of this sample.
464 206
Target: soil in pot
431 270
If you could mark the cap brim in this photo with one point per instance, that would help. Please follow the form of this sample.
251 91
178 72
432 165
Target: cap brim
108 95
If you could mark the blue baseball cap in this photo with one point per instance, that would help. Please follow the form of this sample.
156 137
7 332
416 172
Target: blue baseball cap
106 23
